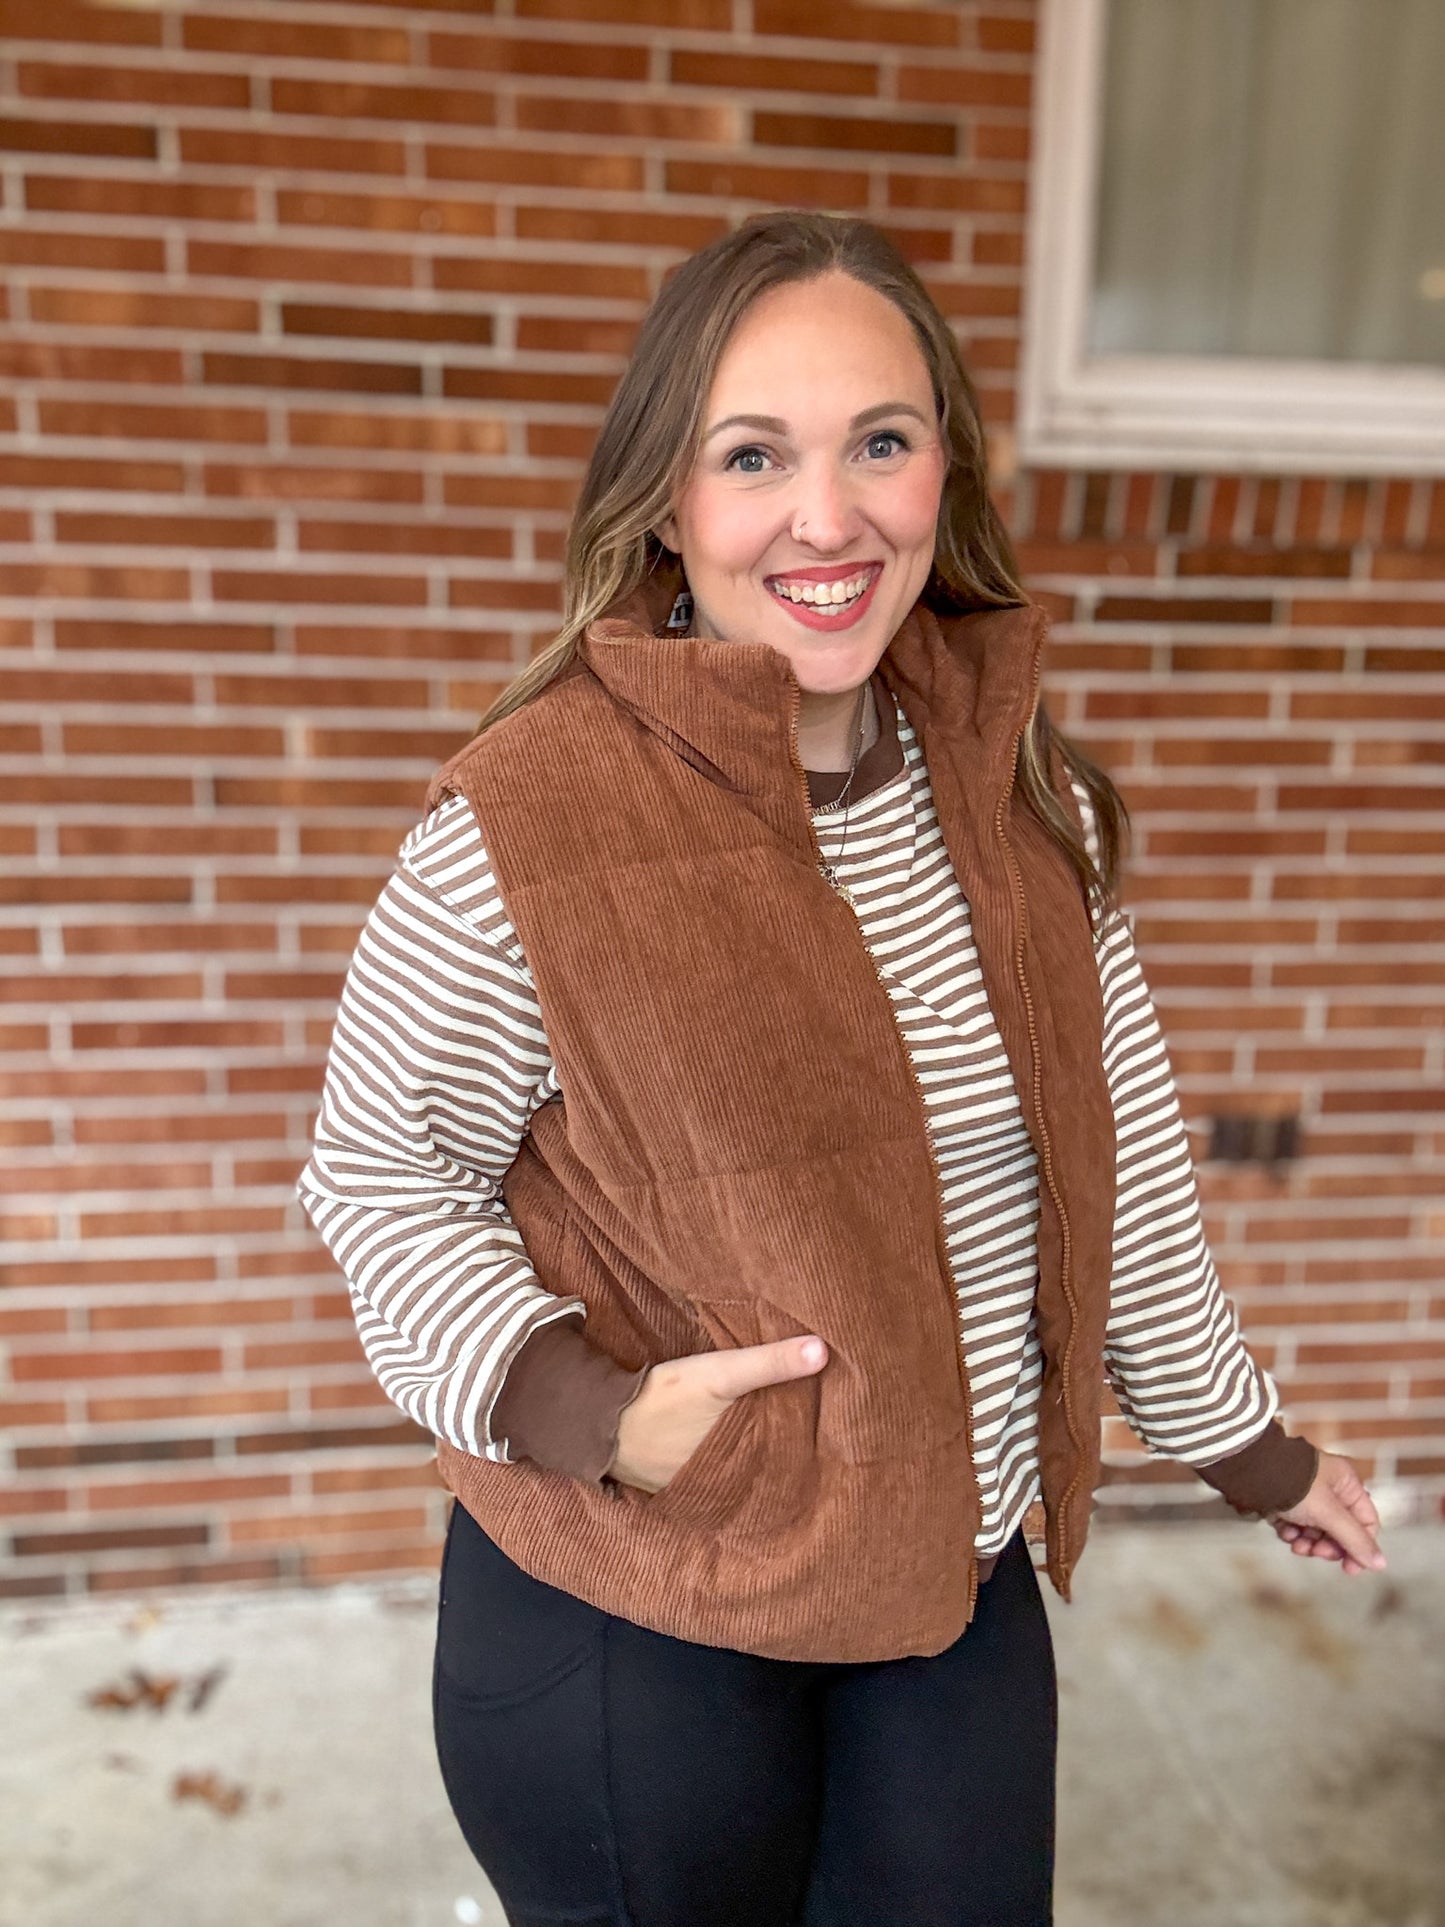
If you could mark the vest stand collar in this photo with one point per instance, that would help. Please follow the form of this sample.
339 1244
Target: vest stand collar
727 706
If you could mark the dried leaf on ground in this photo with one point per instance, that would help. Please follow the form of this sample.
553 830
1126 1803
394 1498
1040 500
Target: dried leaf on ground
225 1796
139 1688
203 1686
156 1690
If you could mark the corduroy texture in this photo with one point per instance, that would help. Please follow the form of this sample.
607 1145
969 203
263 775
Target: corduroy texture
742 1154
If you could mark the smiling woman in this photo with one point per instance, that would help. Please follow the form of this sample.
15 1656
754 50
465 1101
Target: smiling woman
807 516
752 1181
852 311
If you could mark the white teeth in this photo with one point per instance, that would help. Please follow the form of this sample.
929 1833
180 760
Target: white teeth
827 595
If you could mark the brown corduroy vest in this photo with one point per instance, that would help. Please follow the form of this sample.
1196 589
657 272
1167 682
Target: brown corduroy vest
740 1151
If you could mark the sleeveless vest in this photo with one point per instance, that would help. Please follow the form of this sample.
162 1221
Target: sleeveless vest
740 1150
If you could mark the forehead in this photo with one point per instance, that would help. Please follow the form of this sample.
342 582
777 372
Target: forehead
831 345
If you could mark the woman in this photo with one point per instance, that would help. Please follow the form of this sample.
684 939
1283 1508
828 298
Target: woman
751 1145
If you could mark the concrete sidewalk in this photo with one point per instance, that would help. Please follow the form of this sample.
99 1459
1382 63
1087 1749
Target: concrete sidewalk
1248 1740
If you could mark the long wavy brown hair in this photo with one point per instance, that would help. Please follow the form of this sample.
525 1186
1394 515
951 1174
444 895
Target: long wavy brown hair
648 443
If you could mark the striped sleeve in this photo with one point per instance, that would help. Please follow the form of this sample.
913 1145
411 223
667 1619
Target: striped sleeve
438 1060
1175 1356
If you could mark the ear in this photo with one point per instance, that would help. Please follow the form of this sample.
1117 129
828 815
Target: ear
666 533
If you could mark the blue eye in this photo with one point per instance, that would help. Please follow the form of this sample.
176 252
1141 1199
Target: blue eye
743 459
891 441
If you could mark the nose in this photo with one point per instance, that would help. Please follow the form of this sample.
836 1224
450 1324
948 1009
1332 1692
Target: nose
825 517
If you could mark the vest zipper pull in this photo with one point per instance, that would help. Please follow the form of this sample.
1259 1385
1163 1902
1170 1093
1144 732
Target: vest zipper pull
839 885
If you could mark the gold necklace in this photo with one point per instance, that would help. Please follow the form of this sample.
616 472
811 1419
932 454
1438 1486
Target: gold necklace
830 870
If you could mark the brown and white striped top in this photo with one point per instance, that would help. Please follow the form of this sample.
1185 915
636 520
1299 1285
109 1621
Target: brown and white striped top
439 1058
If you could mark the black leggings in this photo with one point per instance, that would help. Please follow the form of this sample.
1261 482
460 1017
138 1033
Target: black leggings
610 1776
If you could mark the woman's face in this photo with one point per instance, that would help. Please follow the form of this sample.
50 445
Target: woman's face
809 519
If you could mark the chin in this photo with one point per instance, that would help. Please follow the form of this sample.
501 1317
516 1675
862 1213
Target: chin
828 662
840 670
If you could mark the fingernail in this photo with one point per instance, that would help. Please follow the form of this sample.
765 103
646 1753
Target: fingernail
813 1352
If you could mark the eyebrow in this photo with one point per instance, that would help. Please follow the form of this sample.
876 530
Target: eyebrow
775 425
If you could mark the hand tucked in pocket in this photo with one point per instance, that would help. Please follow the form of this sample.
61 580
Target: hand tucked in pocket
682 1399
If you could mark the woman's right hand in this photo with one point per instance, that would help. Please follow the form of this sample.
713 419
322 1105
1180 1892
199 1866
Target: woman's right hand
682 1399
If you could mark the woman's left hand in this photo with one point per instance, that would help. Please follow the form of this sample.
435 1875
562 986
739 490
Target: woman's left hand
1336 1519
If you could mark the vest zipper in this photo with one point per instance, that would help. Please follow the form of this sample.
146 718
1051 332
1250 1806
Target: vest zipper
940 1234
1065 1278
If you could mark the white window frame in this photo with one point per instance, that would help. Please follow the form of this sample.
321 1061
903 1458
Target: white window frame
1176 411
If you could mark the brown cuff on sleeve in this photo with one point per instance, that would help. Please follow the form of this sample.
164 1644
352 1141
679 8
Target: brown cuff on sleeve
1271 1474
561 1400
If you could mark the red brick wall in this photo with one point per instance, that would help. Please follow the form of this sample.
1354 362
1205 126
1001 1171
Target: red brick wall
1259 663
309 316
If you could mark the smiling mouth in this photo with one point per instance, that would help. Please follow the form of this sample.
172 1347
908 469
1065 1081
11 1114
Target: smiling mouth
828 598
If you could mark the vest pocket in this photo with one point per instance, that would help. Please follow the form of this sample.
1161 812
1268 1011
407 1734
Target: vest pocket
705 1488
758 1466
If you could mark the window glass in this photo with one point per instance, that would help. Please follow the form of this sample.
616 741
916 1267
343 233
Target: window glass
1272 180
